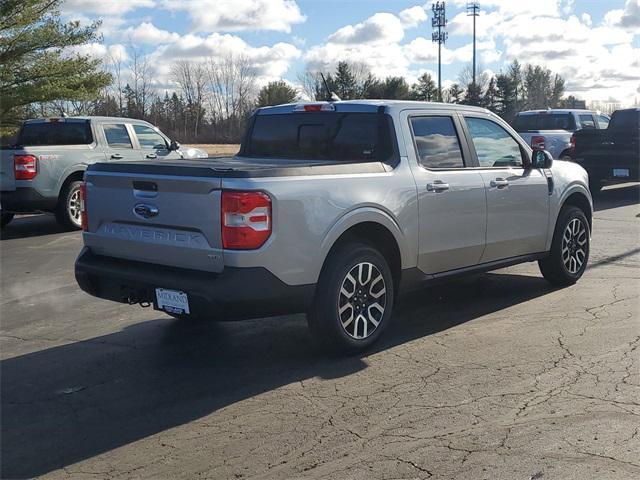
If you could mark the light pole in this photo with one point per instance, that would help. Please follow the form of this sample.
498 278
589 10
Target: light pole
439 21
473 10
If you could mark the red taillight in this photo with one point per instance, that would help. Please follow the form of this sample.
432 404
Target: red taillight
246 219
25 167
537 142
83 207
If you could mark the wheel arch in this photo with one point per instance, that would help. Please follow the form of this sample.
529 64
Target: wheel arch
579 199
71 174
374 227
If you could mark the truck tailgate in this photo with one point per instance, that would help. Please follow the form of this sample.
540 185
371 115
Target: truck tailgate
7 176
167 219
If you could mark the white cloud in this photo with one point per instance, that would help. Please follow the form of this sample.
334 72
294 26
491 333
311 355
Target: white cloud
104 7
381 27
517 7
237 15
100 51
270 62
147 32
412 17
628 18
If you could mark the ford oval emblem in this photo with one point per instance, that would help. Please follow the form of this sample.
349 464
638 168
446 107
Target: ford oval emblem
145 211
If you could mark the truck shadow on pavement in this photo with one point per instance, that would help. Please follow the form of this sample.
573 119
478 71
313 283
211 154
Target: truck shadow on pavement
31 226
71 402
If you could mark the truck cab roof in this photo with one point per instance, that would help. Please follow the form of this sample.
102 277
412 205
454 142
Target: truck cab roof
364 106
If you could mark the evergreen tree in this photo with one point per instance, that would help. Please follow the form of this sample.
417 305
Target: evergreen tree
34 65
424 89
490 97
276 93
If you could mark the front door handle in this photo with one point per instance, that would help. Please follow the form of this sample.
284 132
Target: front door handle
152 155
499 183
116 156
437 186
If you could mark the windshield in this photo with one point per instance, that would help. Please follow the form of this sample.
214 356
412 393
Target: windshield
55 133
544 121
324 136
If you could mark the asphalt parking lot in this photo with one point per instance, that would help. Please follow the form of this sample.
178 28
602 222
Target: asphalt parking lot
498 376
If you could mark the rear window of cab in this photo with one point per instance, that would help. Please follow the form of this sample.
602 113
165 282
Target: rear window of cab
322 136
544 121
55 133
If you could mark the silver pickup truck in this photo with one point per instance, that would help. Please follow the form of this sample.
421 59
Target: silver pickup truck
332 209
552 129
43 172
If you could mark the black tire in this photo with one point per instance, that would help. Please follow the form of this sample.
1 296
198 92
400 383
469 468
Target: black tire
5 218
325 320
554 267
64 211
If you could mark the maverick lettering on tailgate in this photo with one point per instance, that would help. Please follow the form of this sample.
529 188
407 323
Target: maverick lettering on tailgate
153 235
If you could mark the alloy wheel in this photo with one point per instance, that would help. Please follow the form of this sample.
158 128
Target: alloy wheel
574 245
74 207
362 300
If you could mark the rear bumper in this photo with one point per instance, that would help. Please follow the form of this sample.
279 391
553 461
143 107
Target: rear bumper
604 170
26 200
233 294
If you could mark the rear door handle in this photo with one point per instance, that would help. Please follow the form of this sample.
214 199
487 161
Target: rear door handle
499 183
116 156
437 186
152 155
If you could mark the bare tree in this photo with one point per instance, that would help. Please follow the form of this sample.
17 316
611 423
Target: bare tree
465 77
231 90
310 83
140 86
192 81
114 63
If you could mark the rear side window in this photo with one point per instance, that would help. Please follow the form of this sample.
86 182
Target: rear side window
587 122
55 133
544 121
149 138
117 135
437 143
603 121
323 136
494 146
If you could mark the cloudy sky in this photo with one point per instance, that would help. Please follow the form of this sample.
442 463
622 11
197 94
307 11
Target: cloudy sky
594 44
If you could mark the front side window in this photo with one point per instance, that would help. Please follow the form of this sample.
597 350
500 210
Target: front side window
437 143
494 146
149 138
117 135
587 122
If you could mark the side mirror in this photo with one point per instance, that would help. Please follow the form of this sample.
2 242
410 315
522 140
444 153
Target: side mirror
174 145
541 159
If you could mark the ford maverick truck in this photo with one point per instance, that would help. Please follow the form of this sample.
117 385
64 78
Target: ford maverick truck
332 209
43 171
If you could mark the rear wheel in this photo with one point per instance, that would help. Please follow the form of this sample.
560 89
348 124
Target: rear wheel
5 218
569 253
68 211
354 299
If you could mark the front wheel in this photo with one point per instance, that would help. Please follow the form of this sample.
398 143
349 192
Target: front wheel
354 299
569 253
68 212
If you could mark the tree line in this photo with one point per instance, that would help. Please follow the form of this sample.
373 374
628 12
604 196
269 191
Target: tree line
209 101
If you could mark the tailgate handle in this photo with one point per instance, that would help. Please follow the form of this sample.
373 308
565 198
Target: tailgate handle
145 189
145 186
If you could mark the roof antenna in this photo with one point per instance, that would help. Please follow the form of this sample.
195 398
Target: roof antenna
332 95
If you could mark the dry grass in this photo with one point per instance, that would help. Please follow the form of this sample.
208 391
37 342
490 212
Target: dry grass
217 148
